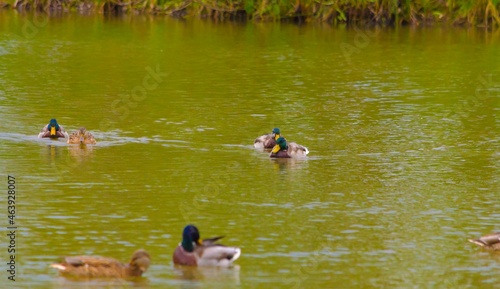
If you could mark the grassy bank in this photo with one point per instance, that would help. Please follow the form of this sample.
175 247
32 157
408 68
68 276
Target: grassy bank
384 12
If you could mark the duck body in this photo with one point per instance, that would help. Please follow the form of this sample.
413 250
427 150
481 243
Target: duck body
296 150
281 154
102 267
53 130
267 141
283 149
194 252
491 241
81 136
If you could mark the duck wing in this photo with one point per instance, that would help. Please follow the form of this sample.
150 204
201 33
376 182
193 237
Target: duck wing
92 261
88 266
89 138
295 148
218 255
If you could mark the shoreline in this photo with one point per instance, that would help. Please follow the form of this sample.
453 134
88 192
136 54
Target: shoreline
378 13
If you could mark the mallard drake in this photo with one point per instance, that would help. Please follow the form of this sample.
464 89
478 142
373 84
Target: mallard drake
81 136
192 251
267 141
89 266
282 149
491 241
53 130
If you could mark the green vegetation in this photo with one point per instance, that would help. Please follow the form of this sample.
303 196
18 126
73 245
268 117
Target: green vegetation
384 12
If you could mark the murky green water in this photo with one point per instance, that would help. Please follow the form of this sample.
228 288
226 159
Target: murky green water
402 126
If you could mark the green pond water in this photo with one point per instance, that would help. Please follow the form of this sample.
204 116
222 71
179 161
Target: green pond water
402 125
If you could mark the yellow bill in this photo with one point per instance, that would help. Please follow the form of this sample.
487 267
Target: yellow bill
52 131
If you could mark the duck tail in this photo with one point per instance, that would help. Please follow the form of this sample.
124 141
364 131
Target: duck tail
259 142
236 255
258 145
58 267
477 242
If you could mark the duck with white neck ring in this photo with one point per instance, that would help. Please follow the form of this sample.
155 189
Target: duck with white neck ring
193 251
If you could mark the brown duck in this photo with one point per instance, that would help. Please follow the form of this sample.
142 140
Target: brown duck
491 241
192 251
99 267
81 136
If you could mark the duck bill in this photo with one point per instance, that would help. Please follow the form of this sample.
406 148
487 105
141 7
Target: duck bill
53 131
200 242
81 139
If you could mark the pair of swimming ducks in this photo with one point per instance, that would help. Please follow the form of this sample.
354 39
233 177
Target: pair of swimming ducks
192 251
54 130
279 146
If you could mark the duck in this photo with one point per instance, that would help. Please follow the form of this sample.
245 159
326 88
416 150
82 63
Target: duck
104 267
267 141
192 251
53 130
283 149
81 136
491 241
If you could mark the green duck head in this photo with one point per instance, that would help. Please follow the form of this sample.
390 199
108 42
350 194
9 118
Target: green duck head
190 237
53 127
281 141
276 133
